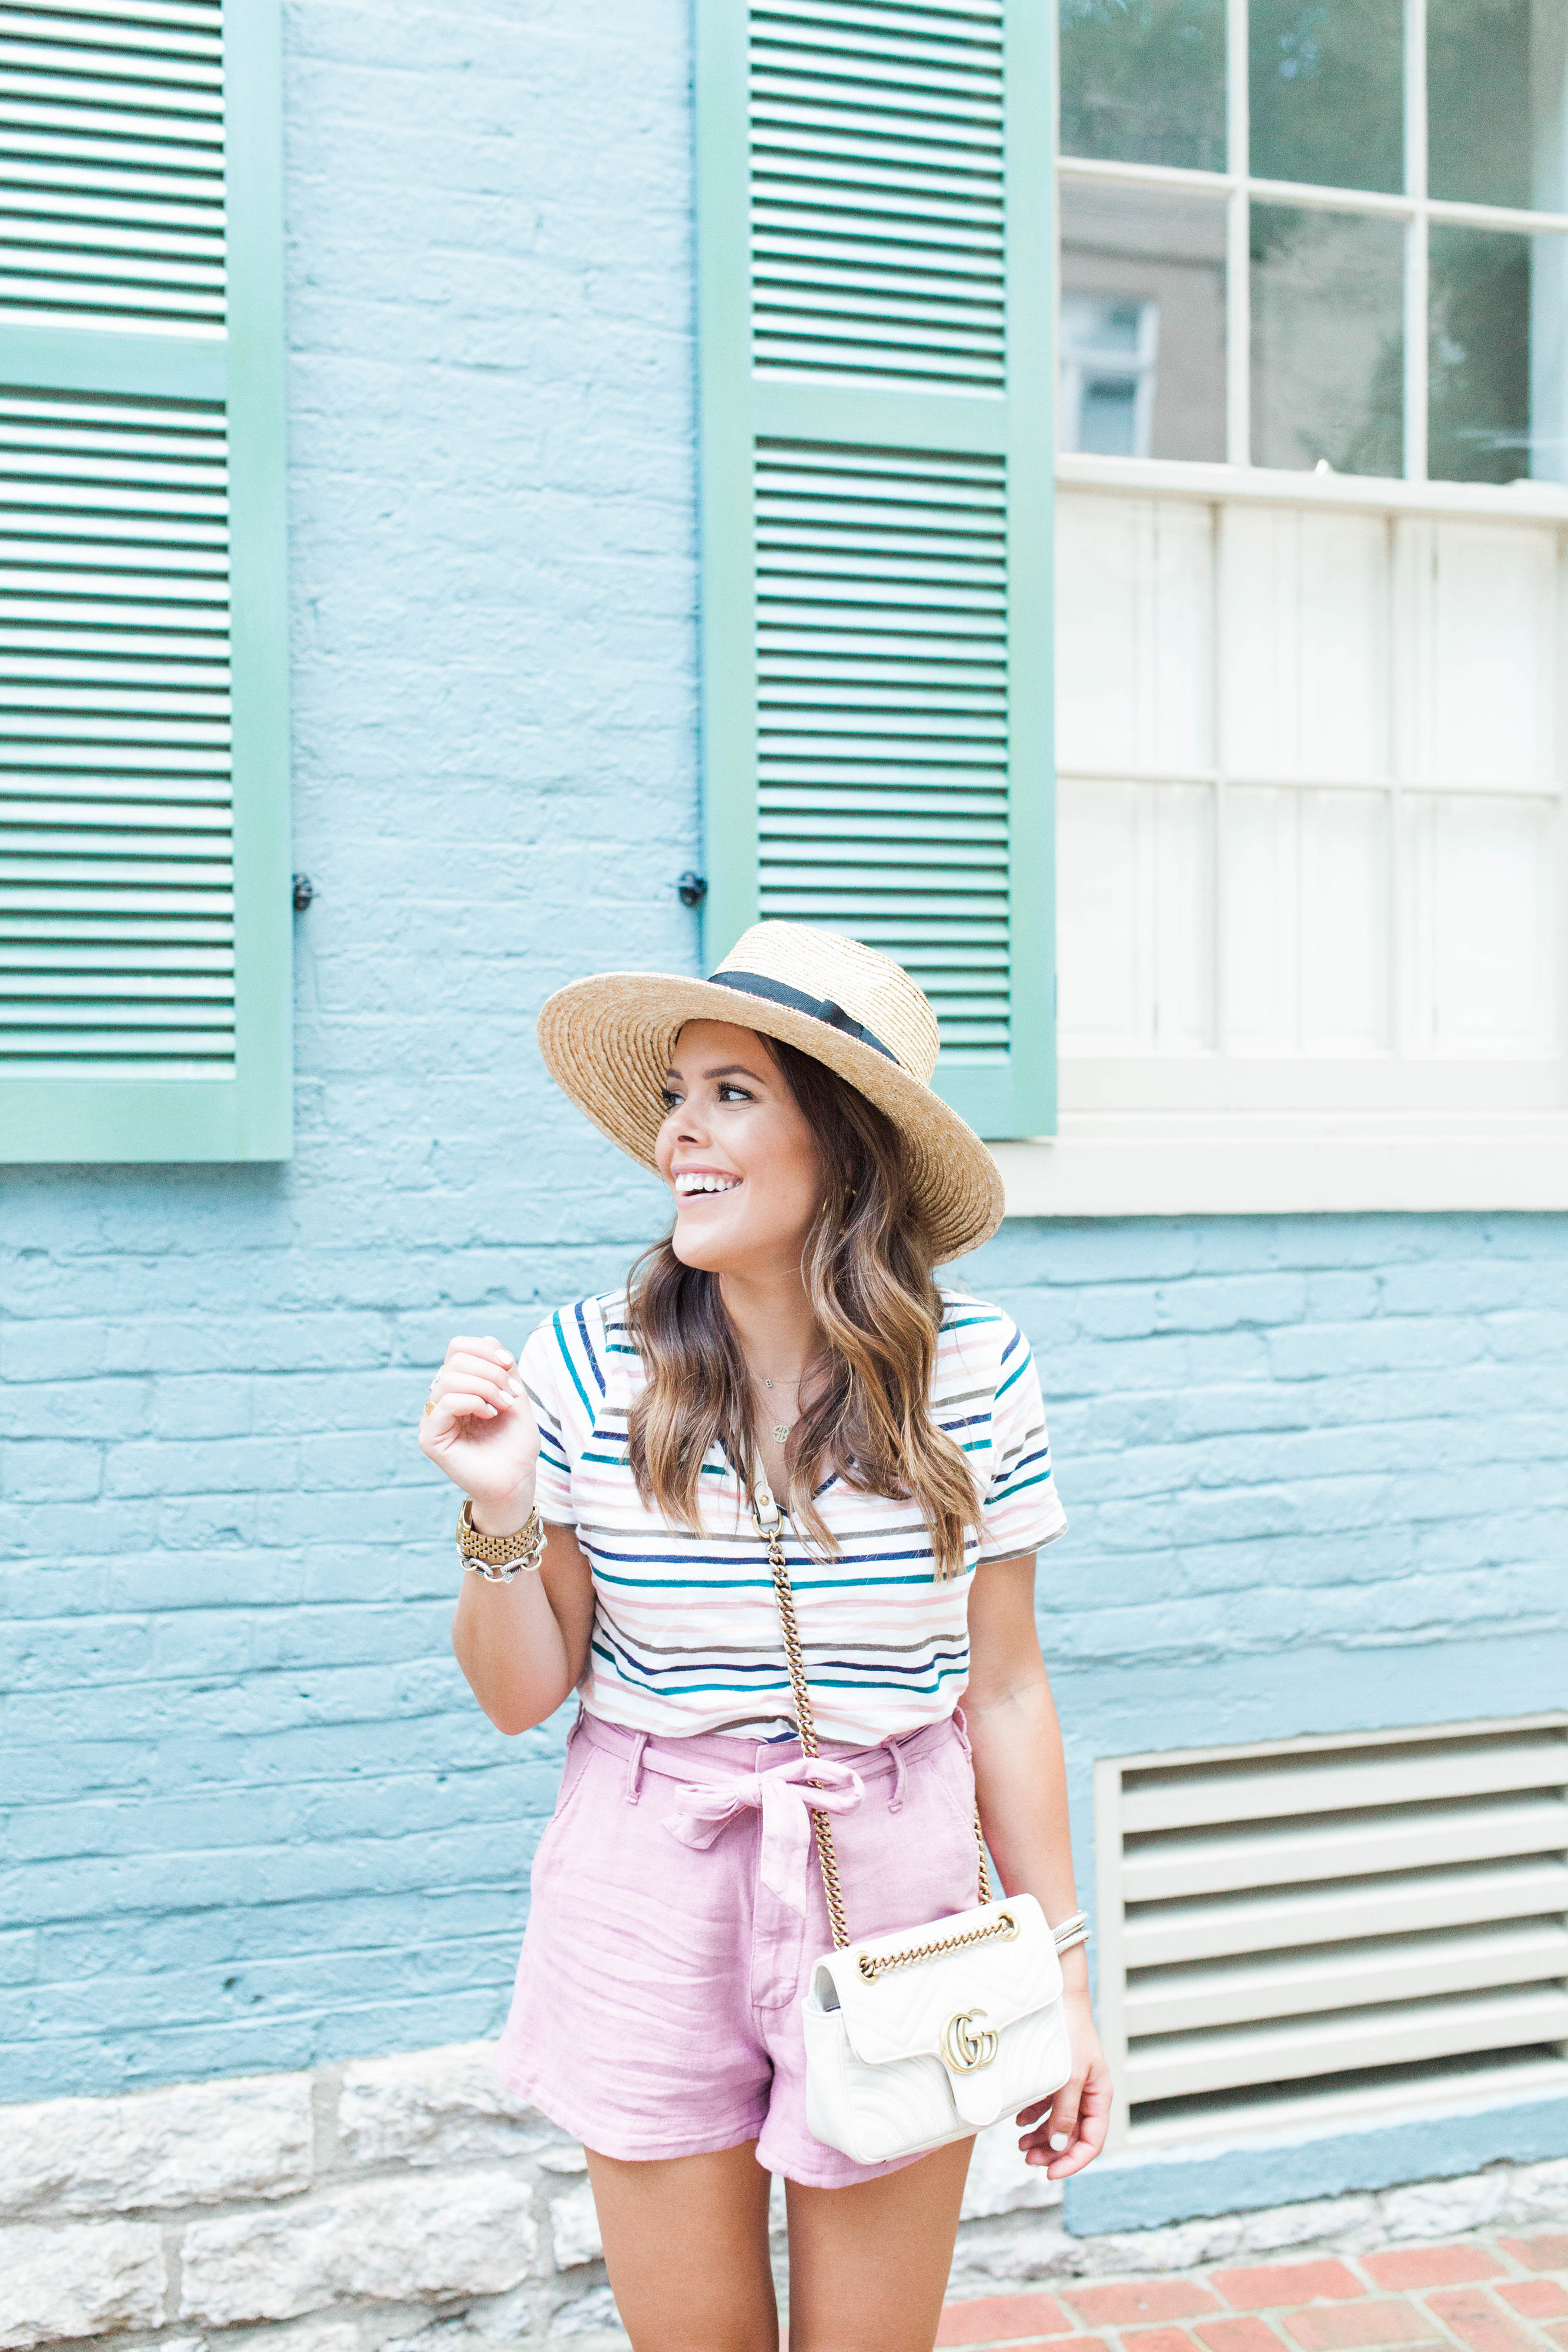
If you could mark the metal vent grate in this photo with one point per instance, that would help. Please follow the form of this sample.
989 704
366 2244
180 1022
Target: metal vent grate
111 163
1334 1922
882 714
115 930
877 192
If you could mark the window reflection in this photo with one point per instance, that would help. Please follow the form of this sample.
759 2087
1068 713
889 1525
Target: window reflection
1144 326
1143 323
1497 71
1497 356
1327 92
1328 342
1143 81
1109 347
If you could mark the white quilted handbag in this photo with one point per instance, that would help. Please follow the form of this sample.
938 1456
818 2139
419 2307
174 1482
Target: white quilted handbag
931 2033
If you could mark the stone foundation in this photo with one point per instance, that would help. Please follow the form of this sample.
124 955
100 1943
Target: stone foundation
1015 2249
408 2200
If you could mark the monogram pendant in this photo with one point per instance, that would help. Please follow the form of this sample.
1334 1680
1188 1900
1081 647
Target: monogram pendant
780 1431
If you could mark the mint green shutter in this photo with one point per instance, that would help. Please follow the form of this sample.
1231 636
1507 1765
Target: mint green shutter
144 886
874 313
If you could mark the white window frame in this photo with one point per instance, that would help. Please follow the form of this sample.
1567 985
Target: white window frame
1475 1136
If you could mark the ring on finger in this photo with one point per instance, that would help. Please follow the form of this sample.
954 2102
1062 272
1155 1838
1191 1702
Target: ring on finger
429 1405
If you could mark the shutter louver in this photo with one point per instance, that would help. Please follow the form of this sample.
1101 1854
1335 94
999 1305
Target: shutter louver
116 847
1351 1923
877 193
111 153
143 847
882 715
874 269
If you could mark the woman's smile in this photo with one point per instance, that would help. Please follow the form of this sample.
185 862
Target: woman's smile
696 1183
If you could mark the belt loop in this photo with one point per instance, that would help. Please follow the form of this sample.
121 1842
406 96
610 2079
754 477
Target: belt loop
634 1769
894 1747
962 1729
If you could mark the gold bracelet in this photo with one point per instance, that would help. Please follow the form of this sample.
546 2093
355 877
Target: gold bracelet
522 1552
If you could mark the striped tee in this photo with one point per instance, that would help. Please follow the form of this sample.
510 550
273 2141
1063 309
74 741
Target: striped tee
685 1634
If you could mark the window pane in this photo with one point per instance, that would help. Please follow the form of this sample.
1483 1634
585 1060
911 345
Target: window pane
1498 303
1143 323
1328 341
1495 92
1484 642
1305 630
1306 924
1143 81
1344 926
1482 924
1327 92
1134 891
1135 633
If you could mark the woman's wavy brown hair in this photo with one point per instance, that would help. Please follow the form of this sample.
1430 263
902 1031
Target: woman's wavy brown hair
866 1417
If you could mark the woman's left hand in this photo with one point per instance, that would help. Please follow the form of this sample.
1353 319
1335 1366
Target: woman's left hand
1068 2130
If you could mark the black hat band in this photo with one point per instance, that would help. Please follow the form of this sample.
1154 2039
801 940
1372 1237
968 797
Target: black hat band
820 1008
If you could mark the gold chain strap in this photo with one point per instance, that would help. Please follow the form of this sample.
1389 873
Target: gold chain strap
1004 1926
985 1894
772 1534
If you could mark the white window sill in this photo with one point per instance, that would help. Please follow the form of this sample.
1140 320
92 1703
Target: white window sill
1522 501
1154 1163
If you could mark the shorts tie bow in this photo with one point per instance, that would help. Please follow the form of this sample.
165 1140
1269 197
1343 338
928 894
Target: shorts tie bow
785 1795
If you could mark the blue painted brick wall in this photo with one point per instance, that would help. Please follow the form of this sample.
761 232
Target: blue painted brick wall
1315 1468
253 1819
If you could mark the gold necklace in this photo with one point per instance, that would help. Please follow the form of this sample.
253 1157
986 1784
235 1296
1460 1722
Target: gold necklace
780 1428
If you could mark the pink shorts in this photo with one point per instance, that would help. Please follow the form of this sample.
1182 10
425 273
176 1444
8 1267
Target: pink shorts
677 1909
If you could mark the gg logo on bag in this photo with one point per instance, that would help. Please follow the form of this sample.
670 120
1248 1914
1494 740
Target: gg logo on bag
962 2046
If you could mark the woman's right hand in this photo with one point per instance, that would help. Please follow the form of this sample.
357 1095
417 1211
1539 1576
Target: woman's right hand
481 1430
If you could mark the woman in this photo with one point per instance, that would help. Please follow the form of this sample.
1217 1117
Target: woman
788 1335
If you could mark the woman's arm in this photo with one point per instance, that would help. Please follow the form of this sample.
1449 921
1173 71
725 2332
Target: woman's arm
523 1645
1022 1781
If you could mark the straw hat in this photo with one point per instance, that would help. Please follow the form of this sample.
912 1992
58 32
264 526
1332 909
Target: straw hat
607 1042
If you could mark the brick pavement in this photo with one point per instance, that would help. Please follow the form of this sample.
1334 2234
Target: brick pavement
1482 2294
